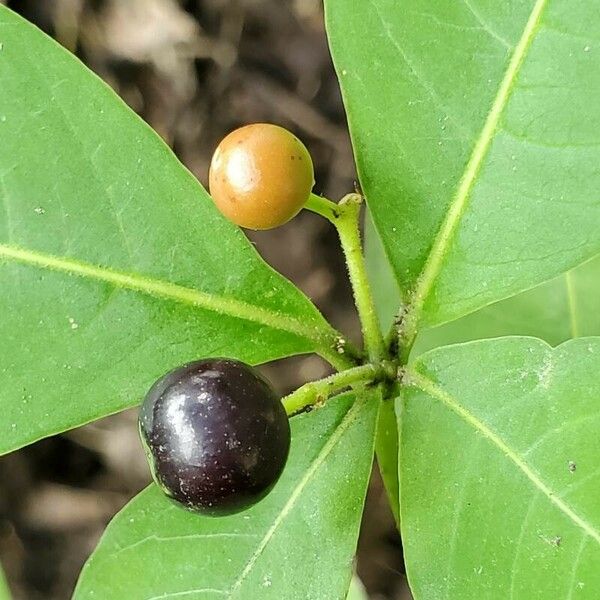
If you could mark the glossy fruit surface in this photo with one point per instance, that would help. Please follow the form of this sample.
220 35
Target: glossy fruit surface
260 176
216 435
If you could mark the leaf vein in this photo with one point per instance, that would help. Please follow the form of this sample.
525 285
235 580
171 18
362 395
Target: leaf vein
572 304
187 593
486 27
582 545
334 439
430 388
446 233
167 290
179 538
459 507
523 529
431 92
565 426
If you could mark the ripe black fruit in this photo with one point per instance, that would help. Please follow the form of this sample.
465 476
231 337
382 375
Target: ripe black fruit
216 435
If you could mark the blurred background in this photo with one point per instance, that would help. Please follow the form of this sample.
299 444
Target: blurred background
194 70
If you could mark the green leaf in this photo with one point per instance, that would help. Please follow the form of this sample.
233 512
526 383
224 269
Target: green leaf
386 297
563 308
297 543
499 482
476 141
386 293
5 590
386 447
357 590
558 310
114 264
555 311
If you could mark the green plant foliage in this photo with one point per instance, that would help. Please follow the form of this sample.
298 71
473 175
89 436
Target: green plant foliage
476 137
476 141
558 310
565 307
555 311
386 296
5 591
297 543
114 264
386 447
500 494
357 590
386 293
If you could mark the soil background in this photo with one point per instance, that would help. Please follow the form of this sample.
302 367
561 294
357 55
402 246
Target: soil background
194 70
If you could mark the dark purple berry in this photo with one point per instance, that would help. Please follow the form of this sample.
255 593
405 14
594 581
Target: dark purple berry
216 435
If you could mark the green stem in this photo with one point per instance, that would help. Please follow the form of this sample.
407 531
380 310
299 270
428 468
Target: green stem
324 207
345 217
316 392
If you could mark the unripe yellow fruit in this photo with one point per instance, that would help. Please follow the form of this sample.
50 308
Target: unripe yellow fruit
261 176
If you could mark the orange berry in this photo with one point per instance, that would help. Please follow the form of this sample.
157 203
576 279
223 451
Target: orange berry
260 176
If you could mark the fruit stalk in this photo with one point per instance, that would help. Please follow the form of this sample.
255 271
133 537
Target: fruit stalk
345 218
316 392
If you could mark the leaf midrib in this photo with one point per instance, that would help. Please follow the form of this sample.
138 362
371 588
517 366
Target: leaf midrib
325 451
445 235
433 390
171 291
572 304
